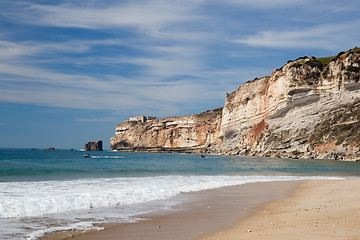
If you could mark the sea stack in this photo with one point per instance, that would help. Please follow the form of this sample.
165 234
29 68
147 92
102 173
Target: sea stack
93 146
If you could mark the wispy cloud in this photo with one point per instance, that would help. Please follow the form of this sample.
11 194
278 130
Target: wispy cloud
149 15
102 119
149 55
10 50
48 88
320 36
265 3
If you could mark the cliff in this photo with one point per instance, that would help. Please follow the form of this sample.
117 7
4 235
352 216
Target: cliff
308 108
193 133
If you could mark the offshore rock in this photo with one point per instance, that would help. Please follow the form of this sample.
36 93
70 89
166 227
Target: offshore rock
93 146
310 108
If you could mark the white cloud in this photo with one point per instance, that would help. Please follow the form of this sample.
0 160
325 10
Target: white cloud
308 5
27 74
150 15
101 119
321 36
154 93
266 3
173 56
169 66
11 50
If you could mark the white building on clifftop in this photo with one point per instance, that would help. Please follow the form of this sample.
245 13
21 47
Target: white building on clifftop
142 118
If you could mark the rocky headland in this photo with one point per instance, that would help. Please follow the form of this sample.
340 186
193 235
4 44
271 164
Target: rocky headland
309 108
190 134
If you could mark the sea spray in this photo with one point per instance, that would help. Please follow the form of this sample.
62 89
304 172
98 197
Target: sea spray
33 199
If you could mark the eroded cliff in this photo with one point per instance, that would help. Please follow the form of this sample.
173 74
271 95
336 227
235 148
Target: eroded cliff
193 133
308 108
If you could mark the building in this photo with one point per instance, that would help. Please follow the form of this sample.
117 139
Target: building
142 118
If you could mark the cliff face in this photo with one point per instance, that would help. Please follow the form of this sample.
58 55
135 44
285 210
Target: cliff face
308 108
194 133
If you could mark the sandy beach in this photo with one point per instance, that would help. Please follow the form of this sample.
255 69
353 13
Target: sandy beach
316 210
200 214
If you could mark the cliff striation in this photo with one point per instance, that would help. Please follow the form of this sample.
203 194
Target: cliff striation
193 133
308 108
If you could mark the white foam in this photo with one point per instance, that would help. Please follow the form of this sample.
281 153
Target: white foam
83 226
107 156
31 199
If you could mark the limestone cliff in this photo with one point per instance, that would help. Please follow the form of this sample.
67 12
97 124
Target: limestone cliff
194 133
308 108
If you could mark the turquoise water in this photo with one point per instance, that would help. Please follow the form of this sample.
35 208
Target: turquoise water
43 191
40 165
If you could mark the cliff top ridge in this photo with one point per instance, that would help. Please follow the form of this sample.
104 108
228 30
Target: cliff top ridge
310 62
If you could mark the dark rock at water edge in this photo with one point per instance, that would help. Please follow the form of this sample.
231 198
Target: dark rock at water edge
50 148
93 146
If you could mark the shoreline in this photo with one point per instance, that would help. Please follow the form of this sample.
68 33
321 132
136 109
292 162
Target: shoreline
199 214
321 209
204 150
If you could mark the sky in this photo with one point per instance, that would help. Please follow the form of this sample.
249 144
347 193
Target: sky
71 70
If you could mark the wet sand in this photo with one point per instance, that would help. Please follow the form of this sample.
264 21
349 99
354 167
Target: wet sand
201 214
319 209
323 209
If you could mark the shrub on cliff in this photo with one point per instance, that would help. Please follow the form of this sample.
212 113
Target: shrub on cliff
315 64
353 69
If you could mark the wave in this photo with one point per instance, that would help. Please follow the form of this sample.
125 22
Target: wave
31 199
82 226
107 157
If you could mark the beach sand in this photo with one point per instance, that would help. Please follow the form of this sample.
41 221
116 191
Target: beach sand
202 213
316 210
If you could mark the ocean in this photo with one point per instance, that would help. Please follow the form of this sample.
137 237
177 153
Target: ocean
44 191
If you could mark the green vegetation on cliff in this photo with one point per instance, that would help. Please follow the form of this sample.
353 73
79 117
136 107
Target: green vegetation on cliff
207 113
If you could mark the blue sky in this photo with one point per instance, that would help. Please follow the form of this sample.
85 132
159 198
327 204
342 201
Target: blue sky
70 71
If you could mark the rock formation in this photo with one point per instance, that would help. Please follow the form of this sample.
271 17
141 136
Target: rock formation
308 108
305 109
194 133
93 146
50 148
